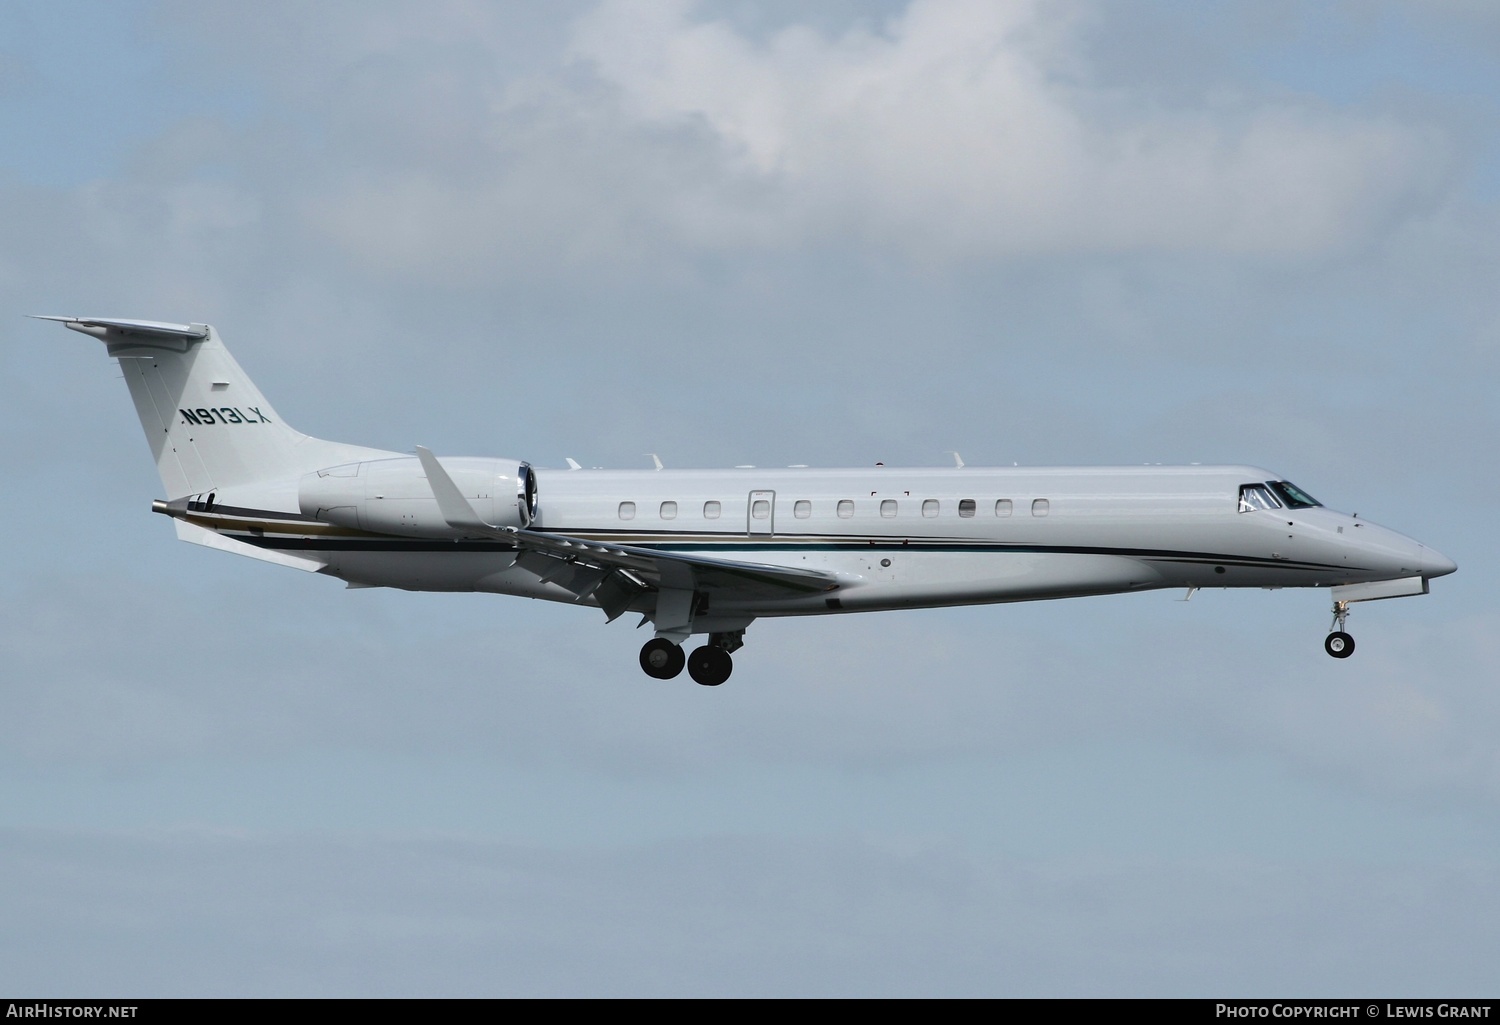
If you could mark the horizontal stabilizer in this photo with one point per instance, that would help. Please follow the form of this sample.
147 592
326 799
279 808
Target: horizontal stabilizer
139 330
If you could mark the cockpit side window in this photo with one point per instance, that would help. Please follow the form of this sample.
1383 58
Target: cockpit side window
1257 496
1292 495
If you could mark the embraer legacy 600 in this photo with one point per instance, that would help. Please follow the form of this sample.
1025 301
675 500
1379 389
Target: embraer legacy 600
707 552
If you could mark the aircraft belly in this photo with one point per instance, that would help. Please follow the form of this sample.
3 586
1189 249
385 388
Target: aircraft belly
1232 572
434 571
934 579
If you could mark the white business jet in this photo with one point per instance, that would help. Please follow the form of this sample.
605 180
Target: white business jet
709 551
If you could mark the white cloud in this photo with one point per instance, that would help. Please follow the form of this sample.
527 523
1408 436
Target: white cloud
964 128
953 132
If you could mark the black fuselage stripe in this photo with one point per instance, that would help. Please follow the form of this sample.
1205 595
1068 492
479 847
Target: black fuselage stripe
375 544
202 510
739 543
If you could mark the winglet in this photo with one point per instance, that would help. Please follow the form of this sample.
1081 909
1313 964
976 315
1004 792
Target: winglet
456 510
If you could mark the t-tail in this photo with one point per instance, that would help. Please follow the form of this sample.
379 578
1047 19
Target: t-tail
208 425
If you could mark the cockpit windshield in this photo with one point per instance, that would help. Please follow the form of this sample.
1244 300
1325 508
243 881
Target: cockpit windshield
1257 496
1293 496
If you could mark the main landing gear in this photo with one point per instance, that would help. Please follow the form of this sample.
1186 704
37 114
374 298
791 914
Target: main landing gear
709 665
1338 643
661 658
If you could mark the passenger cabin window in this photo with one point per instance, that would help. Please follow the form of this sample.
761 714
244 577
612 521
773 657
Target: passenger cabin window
1293 496
1256 496
711 510
802 510
930 507
846 508
669 510
966 507
1040 507
627 510
888 508
1002 507
760 509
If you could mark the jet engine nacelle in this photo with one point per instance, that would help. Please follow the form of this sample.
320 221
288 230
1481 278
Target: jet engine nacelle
392 496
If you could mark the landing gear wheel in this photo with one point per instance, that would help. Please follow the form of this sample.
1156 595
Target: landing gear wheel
710 665
661 658
1339 644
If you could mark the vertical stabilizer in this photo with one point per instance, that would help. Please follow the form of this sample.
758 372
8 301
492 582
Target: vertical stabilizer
208 425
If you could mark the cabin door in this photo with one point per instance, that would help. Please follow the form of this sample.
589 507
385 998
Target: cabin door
759 513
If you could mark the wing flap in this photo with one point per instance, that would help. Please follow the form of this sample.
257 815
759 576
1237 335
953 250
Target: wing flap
675 570
615 574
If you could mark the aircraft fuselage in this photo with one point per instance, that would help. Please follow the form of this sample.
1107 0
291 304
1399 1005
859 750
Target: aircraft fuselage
896 537
709 551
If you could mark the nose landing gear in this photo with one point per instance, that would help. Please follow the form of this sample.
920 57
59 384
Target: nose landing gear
1338 643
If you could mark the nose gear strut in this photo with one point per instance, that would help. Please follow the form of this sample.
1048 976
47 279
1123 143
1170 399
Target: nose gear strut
1338 643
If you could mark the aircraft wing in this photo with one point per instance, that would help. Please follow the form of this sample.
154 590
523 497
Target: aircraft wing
614 575
673 569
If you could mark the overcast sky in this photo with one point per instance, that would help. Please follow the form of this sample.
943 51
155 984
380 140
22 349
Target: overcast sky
734 233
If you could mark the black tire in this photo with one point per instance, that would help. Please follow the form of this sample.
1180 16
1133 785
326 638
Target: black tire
661 658
1339 644
710 665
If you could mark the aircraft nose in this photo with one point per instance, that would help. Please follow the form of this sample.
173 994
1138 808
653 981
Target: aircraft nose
1433 563
1396 554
